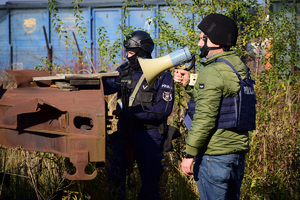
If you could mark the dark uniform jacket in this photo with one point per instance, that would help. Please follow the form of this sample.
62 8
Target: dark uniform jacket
153 104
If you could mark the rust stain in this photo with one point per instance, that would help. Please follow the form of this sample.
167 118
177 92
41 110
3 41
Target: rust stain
38 117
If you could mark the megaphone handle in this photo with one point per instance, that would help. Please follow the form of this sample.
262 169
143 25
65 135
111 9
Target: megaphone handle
193 62
178 69
183 74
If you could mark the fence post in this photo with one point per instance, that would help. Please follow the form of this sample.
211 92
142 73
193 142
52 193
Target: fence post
49 52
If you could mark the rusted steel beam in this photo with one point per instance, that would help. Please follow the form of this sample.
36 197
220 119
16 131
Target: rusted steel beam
68 123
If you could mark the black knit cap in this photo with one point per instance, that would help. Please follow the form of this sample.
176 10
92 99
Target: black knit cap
220 29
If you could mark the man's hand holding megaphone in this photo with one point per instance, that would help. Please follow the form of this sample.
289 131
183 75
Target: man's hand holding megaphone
181 72
181 76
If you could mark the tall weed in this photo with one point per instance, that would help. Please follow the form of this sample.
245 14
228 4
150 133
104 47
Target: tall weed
272 166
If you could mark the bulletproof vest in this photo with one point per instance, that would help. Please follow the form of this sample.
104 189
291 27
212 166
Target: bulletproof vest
238 112
235 112
189 113
146 96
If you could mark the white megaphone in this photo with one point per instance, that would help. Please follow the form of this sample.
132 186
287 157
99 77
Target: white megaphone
152 68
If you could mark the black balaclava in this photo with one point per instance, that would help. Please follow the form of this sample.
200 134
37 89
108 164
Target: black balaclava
133 60
134 63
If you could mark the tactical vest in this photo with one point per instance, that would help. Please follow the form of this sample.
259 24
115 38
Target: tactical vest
235 112
189 113
145 97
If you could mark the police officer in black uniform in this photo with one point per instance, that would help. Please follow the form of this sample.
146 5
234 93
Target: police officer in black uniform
142 126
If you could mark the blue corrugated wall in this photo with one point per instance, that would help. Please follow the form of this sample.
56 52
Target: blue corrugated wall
22 40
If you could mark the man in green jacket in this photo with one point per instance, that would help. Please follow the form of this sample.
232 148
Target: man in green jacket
219 153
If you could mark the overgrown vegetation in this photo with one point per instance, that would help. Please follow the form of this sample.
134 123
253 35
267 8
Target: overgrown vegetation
272 170
268 39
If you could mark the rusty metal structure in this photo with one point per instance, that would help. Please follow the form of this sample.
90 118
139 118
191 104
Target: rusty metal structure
62 114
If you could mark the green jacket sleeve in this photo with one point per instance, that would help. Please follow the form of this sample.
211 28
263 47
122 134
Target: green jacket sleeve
207 93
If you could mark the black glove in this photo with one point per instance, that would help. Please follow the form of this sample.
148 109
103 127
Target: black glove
128 114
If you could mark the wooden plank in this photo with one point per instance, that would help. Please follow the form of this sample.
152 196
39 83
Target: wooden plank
76 76
85 82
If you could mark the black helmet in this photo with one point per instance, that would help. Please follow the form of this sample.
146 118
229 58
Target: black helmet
220 29
139 42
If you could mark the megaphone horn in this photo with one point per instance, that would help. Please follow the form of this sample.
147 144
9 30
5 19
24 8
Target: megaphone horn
152 68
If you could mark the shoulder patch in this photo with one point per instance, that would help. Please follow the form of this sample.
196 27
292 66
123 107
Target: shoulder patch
167 96
201 86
